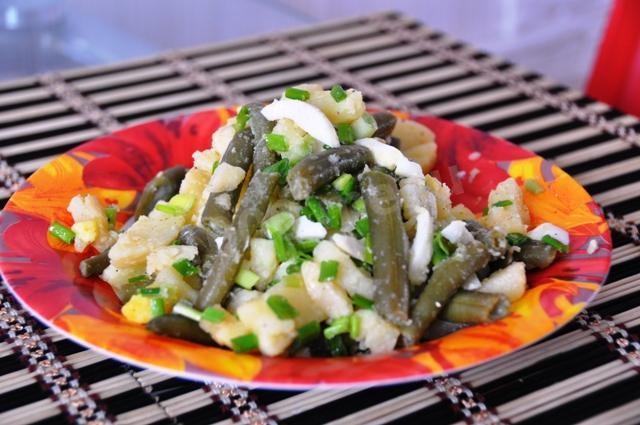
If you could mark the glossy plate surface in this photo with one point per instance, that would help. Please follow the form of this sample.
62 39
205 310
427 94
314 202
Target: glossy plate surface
43 273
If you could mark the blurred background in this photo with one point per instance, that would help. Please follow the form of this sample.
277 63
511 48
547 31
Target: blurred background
557 38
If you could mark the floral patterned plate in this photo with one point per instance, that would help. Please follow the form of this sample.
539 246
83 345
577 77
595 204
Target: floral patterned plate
43 273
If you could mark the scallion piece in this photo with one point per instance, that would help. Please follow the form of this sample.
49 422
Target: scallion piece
441 250
281 307
368 252
344 184
354 326
139 279
241 119
502 204
279 223
213 315
246 278
293 281
362 302
307 245
485 211
169 209
338 93
362 227
156 306
149 291
62 232
183 201
346 134
338 326
294 268
334 211
550 240
533 186
328 270
317 209
276 142
517 239
185 267
308 333
111 212
183 309
281 167
285 249
359 206
245 343
296 94
214 166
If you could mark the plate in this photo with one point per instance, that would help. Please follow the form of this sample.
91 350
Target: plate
43 273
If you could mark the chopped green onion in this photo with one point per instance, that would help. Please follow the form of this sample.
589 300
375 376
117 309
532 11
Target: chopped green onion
111 212
276 142
441 250
365 126
139 279
344 184
308 333
485 211
338 93
334 211
354 326
368 252
293 281
246 278
550 240
169 209
317 209
502 204
185 267
183 201
214 166
281 307
213 315
294 268
241 119
307 245
362 302
279 223
533 186
149 291
62 232
517 239
245 343
281 167
362 227
285 249
306 211
328 270
338 326
156 306
359 206
345 133
297 94
184 309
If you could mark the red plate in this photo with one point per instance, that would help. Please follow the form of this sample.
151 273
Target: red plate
43 273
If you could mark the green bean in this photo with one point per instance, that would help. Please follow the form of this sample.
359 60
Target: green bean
535 254
257 122
447 278
494 240
316 170
389 245
476 307
262 155
250 213
161 188
204 241
95 265
217 213
239 153
440 328
176 326
386 122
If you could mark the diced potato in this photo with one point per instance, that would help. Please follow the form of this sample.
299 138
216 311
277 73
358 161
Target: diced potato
443 197
460 212
417 142
239 296
299 143
176 288
138 309
165 256
329 296
262 259
350 277
512 218
376 334
204 160
144 236
299 298
226 178
118 278
346 111
87 208
274 334
222 137
510 281
86 233
225 331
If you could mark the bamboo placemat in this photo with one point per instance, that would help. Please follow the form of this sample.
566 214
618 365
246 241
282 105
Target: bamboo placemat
588 371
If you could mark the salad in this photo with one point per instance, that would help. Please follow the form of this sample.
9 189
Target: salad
310 228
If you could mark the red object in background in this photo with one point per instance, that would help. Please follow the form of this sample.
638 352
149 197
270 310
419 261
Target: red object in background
616 74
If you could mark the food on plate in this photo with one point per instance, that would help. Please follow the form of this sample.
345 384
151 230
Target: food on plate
310 228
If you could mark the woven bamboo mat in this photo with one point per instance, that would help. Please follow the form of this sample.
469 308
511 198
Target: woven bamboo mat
587 372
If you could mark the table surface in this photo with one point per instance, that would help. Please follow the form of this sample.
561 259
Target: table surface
587 371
